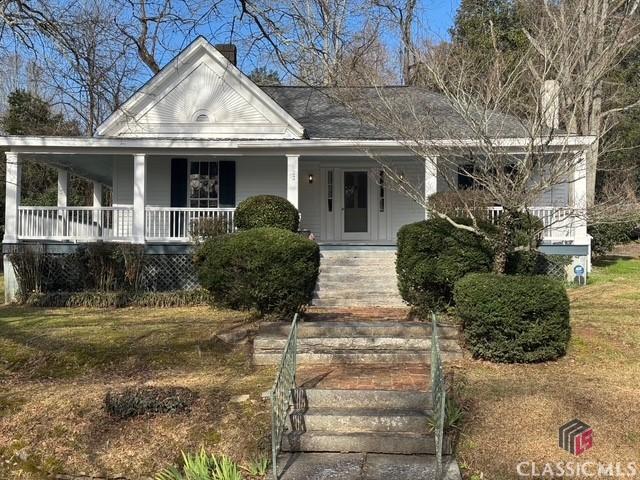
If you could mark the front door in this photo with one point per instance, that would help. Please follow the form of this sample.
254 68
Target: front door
355 205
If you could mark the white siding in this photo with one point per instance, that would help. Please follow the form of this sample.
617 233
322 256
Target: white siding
158 189
404 209
310 201
123 181
256 176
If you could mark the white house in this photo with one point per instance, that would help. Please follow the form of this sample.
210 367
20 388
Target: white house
200 137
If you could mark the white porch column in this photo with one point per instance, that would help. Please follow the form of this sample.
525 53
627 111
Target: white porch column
97 194
292 179
579 200
63 187
430 179
579 203
139 197
12 201
12 197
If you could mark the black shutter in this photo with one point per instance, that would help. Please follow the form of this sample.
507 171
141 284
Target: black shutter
179 182
227 174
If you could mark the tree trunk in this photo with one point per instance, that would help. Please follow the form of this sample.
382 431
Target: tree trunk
504 242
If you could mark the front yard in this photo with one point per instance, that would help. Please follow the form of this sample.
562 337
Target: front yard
515 410
56 365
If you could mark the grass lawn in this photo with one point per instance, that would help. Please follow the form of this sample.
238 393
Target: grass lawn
56 365
515 410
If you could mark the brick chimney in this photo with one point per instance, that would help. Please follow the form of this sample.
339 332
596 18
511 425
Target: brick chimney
550 103
229 51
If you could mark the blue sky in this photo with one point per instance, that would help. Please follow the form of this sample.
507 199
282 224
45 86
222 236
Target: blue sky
434 19
438 15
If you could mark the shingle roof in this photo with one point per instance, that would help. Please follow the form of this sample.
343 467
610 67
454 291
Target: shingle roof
323 116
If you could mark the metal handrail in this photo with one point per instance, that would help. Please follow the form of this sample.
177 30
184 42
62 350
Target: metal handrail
438 394
281 392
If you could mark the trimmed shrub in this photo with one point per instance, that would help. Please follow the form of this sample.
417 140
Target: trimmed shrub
270 270
606 236
135 401
267 211
513 319
432 256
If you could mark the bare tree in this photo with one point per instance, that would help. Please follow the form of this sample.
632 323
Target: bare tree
314 40
509 150
579 43
403 17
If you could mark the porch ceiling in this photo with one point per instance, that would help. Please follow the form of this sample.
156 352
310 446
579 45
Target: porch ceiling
91 166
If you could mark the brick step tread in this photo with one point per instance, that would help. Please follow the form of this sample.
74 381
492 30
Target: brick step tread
370 442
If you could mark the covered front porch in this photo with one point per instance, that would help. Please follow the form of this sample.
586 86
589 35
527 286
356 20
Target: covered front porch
160 196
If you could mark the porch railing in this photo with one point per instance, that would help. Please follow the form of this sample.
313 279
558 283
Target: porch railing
282 391
171 223
559 223
438 395
75 223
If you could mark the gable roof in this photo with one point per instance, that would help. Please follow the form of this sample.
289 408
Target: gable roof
323 116
201 94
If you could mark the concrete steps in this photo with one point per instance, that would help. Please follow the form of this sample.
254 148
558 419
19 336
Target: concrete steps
346 420
369 442
358 343
371 421
357 277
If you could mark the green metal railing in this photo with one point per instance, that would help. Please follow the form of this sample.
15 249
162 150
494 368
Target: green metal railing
281 392
438 394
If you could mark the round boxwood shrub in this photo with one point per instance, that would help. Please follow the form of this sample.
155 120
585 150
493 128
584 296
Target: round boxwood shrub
432 256
513 318
271 270
267 211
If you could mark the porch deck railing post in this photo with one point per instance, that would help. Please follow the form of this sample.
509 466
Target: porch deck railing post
281 393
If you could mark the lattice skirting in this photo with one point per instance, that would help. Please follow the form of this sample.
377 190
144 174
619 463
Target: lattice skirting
161 272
